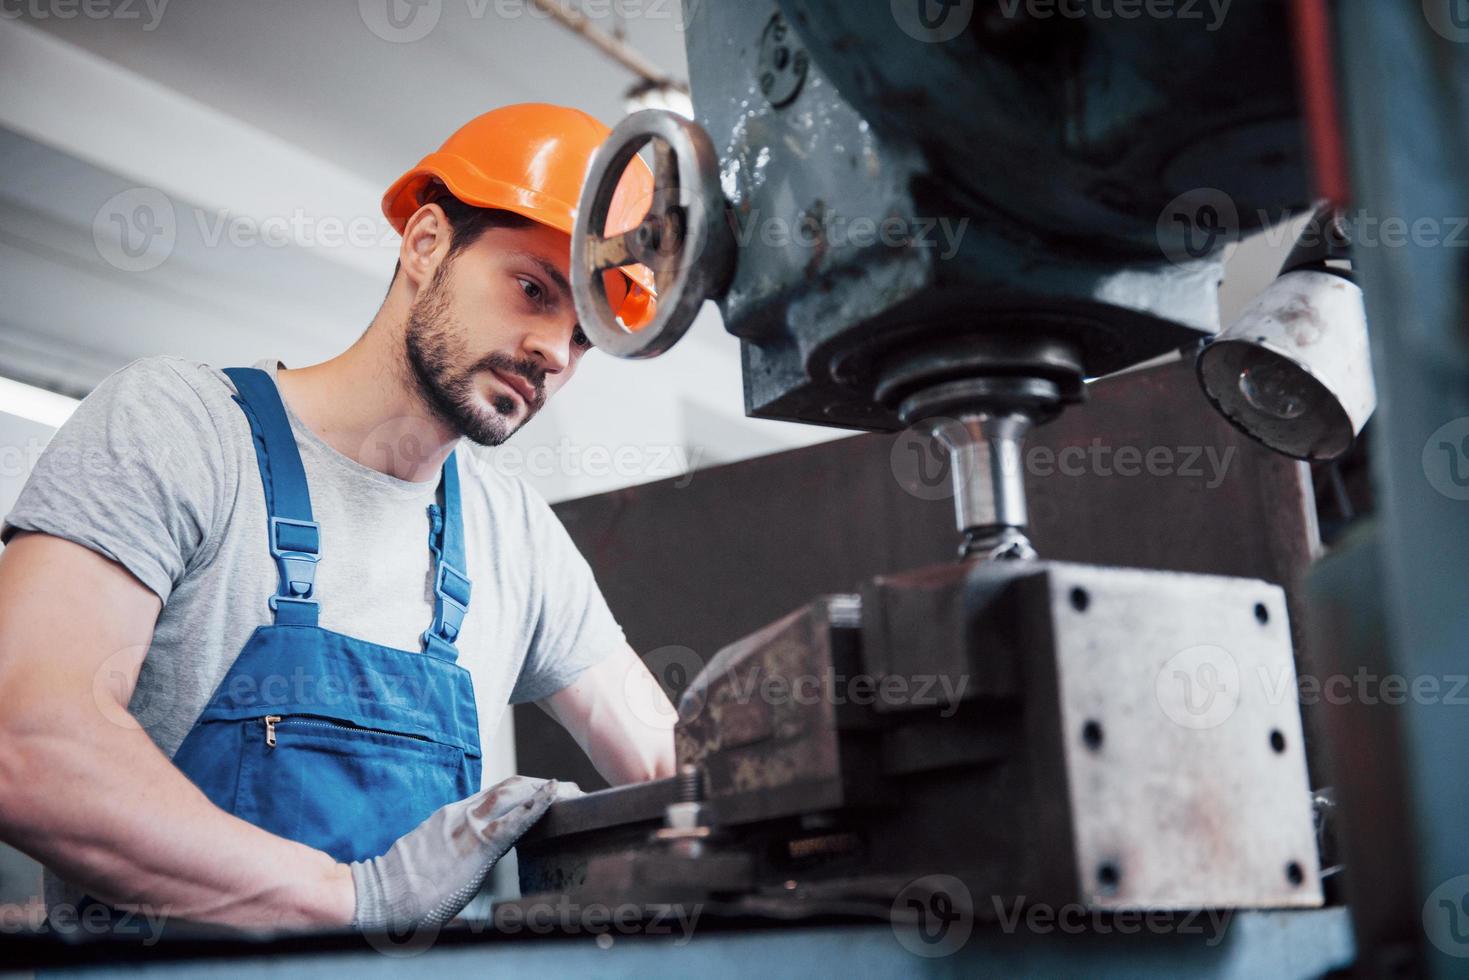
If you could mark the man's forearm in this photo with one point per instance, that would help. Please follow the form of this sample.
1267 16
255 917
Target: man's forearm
109 813
620 717
632 755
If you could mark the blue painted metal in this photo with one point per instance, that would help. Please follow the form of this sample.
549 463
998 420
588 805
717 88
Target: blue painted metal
1026 169
1255 946
1405 75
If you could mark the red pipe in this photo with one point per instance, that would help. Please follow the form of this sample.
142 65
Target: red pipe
1316 74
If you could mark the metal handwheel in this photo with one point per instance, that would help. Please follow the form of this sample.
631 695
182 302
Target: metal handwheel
685 237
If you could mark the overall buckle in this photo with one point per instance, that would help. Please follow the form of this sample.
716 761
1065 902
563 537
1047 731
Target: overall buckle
451 602
296 547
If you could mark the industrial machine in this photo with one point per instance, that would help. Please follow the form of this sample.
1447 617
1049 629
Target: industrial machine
948 216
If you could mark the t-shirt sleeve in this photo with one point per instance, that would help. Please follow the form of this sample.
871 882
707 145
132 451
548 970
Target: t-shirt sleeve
574 628
136 475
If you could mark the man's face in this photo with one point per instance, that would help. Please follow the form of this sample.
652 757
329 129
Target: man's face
495 333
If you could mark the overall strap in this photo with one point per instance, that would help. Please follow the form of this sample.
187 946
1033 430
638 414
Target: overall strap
451 584
295 539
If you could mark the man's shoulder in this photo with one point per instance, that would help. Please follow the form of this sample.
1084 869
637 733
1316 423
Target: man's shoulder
161 399
167 376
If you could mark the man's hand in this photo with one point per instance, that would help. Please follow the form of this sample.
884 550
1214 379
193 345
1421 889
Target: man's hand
432 872
620 717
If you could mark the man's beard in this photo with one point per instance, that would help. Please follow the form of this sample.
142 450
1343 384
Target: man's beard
435 349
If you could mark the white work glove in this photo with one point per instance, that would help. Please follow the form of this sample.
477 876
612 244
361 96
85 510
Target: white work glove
432 872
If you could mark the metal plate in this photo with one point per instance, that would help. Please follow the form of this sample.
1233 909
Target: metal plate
1177 704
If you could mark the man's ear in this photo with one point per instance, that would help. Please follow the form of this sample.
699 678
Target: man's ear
425 245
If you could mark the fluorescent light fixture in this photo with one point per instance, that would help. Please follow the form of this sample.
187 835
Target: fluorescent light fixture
36 404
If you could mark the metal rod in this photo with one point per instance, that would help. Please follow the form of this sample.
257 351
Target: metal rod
616 49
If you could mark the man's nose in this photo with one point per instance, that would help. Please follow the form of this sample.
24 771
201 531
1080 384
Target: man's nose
550 349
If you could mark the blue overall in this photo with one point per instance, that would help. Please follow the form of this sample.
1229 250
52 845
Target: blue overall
320 737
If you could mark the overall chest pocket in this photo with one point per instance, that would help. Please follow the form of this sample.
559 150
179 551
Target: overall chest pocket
345 790
330 784
333 742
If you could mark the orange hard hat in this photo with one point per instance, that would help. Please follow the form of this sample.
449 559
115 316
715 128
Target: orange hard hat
531 159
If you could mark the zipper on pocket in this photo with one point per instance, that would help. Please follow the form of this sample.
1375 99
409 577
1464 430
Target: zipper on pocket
311 721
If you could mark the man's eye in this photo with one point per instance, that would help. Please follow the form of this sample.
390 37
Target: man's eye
580 339
532 289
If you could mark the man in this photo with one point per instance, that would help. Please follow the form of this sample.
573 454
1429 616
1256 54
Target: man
218 697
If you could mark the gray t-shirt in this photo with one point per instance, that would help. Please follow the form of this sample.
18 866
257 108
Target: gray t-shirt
157 471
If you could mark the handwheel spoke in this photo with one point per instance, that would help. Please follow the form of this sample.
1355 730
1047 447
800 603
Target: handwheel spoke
612 253
665 173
